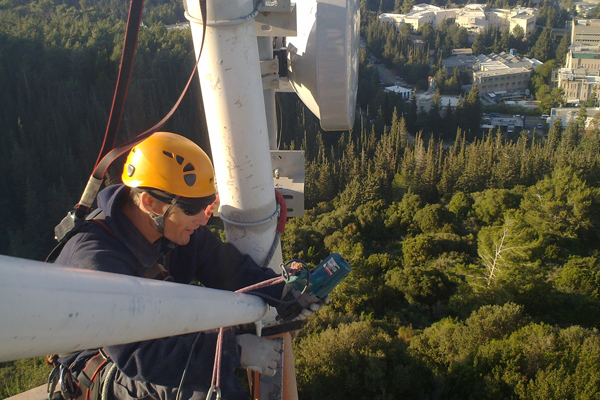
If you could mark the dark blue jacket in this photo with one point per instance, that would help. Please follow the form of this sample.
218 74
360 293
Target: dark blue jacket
124 250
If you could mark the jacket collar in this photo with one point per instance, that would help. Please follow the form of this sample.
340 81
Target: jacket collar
123 228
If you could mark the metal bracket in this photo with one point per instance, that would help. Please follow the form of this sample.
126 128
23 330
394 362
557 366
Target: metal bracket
288 178
277 19
278 5
270 81
269 70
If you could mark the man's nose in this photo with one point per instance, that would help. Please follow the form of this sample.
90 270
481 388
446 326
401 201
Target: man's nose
201 219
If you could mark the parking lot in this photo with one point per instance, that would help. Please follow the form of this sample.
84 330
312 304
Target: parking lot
520 122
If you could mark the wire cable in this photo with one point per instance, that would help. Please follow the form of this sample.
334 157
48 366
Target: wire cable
187 364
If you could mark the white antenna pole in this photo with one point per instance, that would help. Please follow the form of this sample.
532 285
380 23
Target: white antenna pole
51 309
232 91
242 131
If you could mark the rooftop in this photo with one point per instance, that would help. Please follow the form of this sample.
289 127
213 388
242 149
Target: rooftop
502 72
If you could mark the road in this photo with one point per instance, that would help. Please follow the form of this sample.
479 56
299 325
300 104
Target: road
387 76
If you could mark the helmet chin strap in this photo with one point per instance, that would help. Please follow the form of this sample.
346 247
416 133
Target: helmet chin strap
159 220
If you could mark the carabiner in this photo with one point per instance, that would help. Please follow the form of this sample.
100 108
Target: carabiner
67 387
52 381
211 391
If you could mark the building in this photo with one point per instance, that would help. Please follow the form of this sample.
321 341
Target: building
417 19
578 83
513 81
461 59
568 114
396 19
503 73
425 100
474 17
583 8
525 20
479 18
506 60
402 91
583 56
586 31
420 15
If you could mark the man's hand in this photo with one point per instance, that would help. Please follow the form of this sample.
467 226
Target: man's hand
300 305
312 307
260 354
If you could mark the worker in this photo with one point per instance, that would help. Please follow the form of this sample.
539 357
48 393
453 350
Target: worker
154 226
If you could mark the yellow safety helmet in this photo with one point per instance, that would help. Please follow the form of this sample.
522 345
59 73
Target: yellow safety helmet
170 163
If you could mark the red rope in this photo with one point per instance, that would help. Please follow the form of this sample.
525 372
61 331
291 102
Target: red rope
216 378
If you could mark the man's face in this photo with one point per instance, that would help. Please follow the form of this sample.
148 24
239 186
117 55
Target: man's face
179 226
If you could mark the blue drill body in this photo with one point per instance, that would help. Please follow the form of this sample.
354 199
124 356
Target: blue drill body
324 277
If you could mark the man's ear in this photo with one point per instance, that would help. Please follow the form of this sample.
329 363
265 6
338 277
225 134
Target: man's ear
150 204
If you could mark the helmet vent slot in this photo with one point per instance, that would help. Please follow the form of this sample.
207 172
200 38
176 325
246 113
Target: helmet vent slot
190 179
168 154
179 160
188 167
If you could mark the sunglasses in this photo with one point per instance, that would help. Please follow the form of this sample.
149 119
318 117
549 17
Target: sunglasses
190 211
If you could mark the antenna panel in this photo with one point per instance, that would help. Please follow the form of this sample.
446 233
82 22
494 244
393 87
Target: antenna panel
323 60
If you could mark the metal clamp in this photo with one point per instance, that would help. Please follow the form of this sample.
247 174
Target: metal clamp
236 21
256 223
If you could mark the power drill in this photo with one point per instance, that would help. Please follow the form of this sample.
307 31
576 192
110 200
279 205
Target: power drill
314 284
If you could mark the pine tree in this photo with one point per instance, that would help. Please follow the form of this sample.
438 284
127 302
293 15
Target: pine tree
582 117
555 134
562 49
542 50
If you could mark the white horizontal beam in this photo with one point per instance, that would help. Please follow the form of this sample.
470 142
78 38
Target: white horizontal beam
47 308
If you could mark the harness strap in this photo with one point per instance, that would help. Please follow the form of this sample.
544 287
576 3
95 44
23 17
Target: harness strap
156 270
90 372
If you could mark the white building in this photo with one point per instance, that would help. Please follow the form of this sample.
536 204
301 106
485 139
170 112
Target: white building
419 18
568 114
525 20
474 17
420 15
578 83
396 19
403 92
583 56
478 18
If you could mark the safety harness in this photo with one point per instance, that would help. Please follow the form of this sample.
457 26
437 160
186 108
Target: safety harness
62 385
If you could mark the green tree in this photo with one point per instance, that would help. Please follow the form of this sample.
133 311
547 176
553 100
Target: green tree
506 252
423 286
543 50
491 205
582 117
479 44
357 360
580 275
562 49
407 6
560 208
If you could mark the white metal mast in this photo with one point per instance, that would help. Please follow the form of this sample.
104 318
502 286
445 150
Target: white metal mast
50 309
